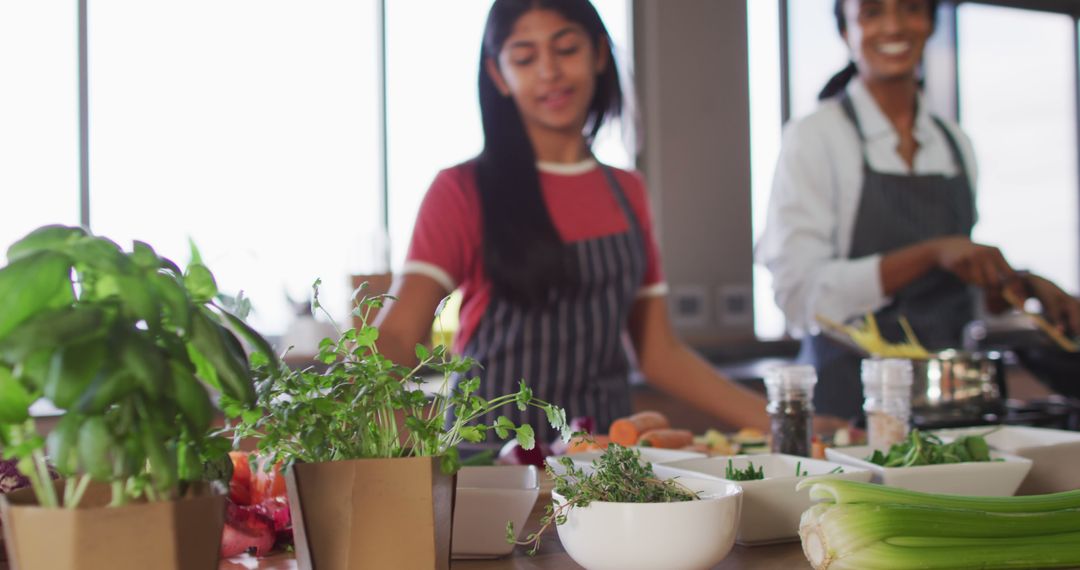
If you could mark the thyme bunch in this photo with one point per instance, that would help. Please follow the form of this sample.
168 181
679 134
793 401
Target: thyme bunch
617 476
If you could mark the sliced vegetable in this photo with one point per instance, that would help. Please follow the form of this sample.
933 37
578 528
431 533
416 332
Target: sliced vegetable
627 431
579 444
667 438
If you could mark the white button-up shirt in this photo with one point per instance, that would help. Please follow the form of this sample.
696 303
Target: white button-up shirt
815 198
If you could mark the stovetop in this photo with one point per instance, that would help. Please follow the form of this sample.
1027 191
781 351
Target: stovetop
1054 412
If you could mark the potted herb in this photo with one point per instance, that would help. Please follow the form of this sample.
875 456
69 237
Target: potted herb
369 456
617 513
124 342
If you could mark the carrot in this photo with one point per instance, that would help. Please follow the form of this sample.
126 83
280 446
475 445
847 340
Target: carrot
580 444
577 445
667 438
627 431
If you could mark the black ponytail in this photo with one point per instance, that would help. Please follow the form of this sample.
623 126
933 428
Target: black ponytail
524 256
837 83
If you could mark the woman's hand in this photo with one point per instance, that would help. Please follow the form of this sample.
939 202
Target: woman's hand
974 263
1060 308
827 425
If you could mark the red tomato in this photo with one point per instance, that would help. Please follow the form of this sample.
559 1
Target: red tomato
240 484
241 466
267 484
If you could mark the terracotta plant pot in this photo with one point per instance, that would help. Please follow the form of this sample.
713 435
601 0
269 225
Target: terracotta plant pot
170 535
371 513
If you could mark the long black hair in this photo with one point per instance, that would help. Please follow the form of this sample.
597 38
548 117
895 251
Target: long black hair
524 257
838 82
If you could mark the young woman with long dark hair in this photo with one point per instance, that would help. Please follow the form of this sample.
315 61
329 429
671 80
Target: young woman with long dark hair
554 252
873 204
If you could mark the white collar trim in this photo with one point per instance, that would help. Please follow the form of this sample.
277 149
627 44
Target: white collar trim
874 123
567 169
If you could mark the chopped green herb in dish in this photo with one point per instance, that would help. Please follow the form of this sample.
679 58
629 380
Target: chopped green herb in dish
748 473
927 449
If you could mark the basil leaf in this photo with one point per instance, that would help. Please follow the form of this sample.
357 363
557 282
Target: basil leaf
31 284
200 283
15 399
45 238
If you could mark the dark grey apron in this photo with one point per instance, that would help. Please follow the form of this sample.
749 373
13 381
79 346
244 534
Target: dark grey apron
570 350
897 210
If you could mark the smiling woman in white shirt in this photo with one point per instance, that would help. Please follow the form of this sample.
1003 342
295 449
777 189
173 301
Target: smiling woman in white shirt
872 208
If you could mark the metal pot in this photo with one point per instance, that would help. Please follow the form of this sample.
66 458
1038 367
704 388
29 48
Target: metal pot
954 387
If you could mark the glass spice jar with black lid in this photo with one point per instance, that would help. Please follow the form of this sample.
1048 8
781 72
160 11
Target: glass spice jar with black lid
791 409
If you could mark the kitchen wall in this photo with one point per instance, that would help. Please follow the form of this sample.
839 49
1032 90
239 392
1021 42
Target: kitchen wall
691 80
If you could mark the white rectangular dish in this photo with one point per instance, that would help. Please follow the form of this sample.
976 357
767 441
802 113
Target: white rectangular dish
979 478
771 506
488 497
1055 454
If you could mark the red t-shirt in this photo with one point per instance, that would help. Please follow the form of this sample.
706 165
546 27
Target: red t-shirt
446 242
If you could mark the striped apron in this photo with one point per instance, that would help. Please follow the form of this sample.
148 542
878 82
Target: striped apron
895 211
570 350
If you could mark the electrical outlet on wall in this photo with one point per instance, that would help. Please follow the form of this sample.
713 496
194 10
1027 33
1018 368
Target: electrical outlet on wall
734 305
689 306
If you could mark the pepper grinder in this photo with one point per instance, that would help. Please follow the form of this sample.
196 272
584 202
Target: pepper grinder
791 409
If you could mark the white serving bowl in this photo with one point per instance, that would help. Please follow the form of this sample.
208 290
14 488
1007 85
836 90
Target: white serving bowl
771 506
488 497
647 536
978 478
1055 454
654 455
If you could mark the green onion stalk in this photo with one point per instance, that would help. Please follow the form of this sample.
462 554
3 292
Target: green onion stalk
872 527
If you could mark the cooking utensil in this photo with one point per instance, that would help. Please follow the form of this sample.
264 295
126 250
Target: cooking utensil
1056 335
949 386
837 333
957 387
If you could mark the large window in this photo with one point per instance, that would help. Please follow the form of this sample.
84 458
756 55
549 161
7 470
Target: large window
1018 104
251 128
433 115
39 119
764 53
815 51
248 126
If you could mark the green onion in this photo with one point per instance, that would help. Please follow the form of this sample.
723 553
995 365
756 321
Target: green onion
869 527
749 473
842 491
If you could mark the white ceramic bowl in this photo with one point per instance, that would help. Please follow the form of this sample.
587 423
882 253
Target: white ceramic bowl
488 497
978 478
1055 454
652 455
771 506
647 536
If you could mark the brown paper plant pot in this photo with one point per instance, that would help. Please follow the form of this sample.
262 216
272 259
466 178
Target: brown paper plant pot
169 535
371 513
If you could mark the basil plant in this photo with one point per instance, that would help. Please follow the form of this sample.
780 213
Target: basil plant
127 344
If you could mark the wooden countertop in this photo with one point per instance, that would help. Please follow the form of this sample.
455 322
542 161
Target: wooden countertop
552 556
